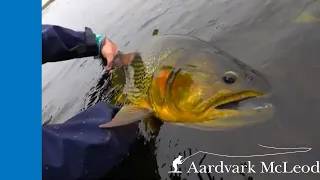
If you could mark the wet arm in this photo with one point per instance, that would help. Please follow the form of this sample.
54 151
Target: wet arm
79 149
59 43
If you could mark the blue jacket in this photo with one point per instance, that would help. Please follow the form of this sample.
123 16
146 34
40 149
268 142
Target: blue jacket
79 149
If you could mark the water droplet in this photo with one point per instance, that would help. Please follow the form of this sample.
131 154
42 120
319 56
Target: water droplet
107 136
74 136
47 168
81 132
83 122
86 171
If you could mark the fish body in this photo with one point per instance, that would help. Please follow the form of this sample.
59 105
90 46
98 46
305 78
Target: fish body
186 81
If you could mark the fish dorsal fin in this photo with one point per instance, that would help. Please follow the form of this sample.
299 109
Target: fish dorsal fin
127 114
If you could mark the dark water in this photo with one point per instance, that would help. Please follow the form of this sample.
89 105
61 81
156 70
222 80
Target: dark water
262 33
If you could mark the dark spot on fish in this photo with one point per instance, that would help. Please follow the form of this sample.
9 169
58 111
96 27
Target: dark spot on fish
250 178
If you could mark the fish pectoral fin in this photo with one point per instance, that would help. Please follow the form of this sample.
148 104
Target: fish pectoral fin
128 114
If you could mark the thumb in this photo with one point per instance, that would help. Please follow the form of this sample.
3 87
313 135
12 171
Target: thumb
109 62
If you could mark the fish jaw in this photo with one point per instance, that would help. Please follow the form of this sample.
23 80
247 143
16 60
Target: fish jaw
208 110
234 110
250 111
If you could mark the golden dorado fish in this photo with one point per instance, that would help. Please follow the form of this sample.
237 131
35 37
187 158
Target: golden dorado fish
186 81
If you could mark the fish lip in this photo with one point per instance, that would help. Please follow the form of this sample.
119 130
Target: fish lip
241 104
232 105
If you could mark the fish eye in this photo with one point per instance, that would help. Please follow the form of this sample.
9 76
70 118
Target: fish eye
229 77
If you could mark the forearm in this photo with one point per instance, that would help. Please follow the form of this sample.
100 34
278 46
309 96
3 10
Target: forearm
59 43
79 149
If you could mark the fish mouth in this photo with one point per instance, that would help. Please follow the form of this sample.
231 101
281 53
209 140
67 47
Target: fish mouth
247 100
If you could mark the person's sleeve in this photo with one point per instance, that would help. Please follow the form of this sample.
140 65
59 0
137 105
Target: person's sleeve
60 43
79 149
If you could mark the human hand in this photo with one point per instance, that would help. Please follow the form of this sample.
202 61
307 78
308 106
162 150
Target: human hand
109 50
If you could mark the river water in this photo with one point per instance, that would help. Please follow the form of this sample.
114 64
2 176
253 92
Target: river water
279 38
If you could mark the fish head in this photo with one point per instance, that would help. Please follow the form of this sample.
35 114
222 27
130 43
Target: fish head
201 86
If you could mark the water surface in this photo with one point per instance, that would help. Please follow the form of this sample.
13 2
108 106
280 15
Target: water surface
262 33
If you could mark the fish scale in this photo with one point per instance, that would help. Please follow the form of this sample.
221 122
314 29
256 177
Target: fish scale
140 76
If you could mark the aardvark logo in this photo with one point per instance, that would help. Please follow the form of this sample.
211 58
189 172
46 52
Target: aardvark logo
178 160
175 165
